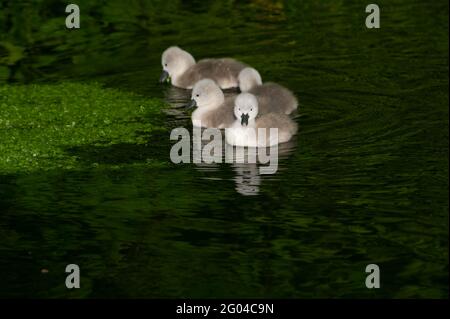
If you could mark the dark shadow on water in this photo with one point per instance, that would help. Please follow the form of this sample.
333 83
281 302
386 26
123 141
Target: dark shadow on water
156 148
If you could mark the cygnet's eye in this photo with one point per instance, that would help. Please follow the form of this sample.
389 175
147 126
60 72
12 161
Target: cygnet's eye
198 95
251 109
165 64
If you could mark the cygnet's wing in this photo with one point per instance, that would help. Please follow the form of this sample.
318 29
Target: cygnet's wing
223 117
286 126
274 98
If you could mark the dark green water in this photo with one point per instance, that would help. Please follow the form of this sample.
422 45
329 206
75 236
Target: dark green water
365 181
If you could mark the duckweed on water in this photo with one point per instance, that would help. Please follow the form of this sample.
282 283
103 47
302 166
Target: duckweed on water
38 123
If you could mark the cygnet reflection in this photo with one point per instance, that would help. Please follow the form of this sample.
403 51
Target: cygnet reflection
250 165
247 179
205 156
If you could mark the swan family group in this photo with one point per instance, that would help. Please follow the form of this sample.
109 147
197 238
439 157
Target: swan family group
248 118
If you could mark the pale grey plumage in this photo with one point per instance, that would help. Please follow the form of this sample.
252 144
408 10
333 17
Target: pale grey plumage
214 110
184 72
222 117
272 97
245 130
223 71
286 127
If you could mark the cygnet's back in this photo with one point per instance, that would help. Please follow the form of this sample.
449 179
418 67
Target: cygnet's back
271 97
285 125
224 72
275 98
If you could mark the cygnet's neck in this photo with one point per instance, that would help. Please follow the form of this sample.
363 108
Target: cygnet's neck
186 65
201 111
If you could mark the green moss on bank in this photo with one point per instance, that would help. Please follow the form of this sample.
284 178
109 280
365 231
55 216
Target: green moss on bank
38 123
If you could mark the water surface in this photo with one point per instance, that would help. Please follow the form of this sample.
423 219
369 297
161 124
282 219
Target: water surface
364 181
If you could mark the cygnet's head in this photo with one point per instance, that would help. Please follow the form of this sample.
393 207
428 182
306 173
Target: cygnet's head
248 79
206 93
246 108
175 62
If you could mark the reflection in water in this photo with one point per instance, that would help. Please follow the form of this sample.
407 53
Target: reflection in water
177 99
247 179
249 175
249 164
370 165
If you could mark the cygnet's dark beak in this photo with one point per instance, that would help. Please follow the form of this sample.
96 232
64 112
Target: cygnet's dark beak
244 119
164 76
191 104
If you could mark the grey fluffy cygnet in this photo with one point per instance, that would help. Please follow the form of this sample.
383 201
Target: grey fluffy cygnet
214 110
183 71
245 130
272 97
